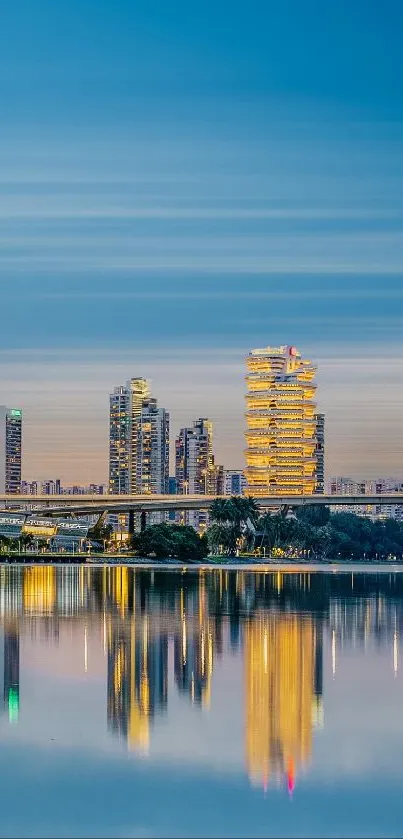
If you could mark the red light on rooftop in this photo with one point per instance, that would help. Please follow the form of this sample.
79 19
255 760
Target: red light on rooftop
292 350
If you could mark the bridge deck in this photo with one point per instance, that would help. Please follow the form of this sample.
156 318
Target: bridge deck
93 504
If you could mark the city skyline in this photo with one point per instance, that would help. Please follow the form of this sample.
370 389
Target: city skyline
355 445
185 190
201 414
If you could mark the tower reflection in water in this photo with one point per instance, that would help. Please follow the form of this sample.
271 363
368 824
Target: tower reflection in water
137 679
163 633
137 663
283 688
10 669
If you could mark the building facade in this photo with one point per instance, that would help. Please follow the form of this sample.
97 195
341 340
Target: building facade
194 458
281 422
234 482
119 441
10 450
125 407
139 392
320 454
152 455
196 472
138 446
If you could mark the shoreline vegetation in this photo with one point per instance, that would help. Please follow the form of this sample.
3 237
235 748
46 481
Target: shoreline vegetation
239 534
238 531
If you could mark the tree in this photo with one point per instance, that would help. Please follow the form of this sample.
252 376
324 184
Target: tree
314 514
238 516
4 542
219 510
170 540
222 538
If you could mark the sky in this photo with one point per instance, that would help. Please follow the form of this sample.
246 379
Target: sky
180 183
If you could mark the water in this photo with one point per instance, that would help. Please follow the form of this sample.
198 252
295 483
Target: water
200 703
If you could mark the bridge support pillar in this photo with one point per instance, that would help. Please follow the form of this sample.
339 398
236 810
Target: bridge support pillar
143 520
131 522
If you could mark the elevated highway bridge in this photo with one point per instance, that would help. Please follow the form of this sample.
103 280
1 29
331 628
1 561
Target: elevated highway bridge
87 505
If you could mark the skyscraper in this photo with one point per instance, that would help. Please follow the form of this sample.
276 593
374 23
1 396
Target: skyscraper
320 454
194 457
139 392
10 449
125 404
119 441
152 449
195 469
138 444
281 423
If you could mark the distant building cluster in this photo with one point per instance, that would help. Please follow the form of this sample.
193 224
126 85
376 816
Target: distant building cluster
379 486
54 487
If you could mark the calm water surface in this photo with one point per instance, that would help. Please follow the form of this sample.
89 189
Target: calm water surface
200 703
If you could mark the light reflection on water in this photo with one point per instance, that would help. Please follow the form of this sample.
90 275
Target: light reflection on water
218 702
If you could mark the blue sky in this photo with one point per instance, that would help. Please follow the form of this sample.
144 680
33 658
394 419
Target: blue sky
181 183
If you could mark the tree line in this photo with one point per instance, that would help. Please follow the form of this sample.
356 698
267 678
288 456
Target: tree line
237 527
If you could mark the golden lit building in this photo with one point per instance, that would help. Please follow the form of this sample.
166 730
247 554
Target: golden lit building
281 675
281 422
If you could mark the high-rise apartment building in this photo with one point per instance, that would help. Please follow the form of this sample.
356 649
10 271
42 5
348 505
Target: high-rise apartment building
281 422
152 449
119 441
234 482
139 391
138 444
195 469
10 449
320 454
125 405
194 458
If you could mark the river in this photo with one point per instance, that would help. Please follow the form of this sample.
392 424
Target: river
200 702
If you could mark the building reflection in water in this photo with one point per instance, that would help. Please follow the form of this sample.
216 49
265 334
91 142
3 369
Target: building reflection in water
10 669
137 679
283 687
193 647
147 623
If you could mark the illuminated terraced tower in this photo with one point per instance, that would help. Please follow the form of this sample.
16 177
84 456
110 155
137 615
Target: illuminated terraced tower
281 422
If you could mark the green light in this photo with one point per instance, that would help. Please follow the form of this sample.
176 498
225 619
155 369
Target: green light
13 704
15 412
